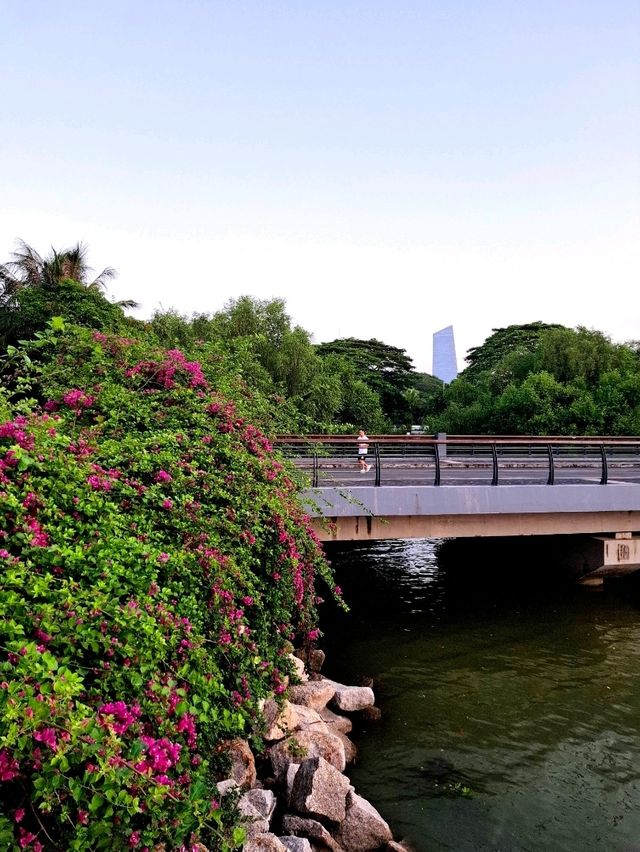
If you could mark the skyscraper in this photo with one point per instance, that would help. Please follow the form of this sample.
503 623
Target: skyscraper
445 366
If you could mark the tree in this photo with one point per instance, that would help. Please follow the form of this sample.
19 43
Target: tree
504 341
386 369
28 269
33 289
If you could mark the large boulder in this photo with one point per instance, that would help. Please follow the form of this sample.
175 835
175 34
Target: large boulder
362 829
243 764
320 790
349 699
298 665
264 843
295 844
315 693
308 717
304 744
335 721
311 828
280 720
262 802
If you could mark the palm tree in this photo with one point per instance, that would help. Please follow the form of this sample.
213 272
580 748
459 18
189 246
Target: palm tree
28 269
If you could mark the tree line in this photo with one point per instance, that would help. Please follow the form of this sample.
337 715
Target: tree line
535 378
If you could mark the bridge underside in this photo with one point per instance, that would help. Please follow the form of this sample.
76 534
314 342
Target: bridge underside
371 527
368 513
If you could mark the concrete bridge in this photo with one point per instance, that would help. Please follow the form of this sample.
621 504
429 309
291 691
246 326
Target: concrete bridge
465 486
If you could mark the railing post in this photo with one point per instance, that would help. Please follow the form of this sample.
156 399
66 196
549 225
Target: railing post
376 450
436 456
605 472
552 471
315 468
442 436
494 456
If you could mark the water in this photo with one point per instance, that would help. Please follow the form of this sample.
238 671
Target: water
511 711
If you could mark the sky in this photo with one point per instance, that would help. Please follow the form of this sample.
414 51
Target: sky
387 168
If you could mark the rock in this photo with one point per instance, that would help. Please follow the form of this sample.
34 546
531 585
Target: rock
308 717
315 693
264 843
253 821
350 749
303 744
243 765
295 844
371 714
395 846
229 785
298 664
335 721
363 828
352 698
263 801
320 790
280 721
318 743
289 779
311 828
316 660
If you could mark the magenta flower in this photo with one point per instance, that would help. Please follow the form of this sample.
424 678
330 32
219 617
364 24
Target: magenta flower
163 476
122 716
47 736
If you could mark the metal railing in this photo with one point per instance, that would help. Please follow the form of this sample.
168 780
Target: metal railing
464 459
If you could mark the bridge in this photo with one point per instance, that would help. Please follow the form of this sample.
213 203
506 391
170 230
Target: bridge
452 486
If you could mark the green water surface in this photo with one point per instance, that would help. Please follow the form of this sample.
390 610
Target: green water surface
511 710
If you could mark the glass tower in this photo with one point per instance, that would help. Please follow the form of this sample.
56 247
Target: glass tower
445 366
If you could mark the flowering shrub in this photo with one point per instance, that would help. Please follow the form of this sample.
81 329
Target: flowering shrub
156 567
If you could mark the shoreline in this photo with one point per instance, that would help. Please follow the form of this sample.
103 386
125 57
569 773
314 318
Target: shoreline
297 797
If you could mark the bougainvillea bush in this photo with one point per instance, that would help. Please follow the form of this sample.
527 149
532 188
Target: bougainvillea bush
155 570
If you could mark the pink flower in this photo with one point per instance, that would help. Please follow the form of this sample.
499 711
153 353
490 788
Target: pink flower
19 814
167 504
77 399
134 838
46 736
122 716
163 476
83 817
26 839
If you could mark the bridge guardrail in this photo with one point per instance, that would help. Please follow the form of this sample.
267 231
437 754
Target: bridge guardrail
330 459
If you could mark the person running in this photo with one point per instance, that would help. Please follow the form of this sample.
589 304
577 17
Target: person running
363 449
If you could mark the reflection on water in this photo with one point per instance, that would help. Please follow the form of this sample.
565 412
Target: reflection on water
511 713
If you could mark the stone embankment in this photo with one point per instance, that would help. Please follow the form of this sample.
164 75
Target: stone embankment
300 799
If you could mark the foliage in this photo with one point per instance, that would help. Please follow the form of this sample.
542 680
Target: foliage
33 307
545 379
156 569
33 289
503 342
387 371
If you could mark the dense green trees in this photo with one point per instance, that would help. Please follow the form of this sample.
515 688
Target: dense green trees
531 378
545 379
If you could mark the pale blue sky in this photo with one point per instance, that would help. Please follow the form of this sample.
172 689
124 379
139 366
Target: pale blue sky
388 168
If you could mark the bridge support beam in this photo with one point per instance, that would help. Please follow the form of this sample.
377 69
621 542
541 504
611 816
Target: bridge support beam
373 527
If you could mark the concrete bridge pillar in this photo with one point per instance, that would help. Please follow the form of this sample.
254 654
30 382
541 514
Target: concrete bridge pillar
608 556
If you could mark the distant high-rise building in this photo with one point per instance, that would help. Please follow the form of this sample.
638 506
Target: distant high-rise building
445 366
